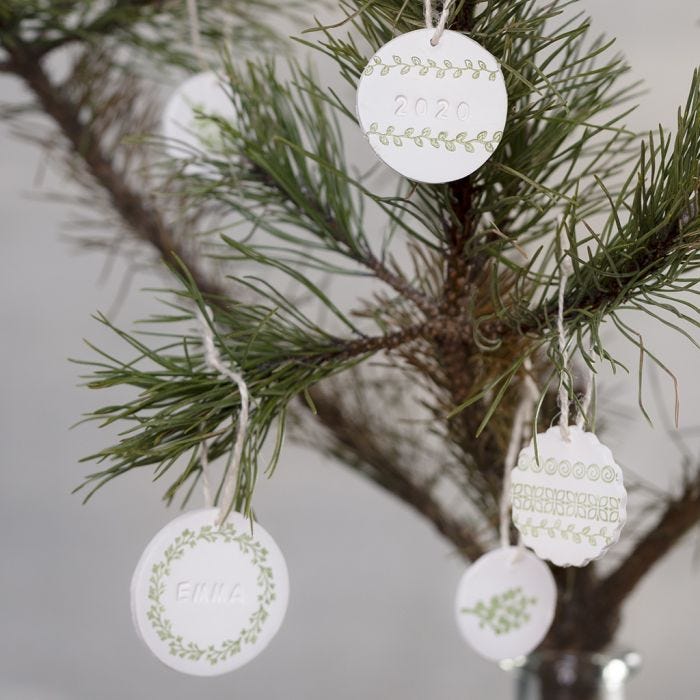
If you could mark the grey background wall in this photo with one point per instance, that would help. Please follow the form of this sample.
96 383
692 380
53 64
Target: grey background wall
370 613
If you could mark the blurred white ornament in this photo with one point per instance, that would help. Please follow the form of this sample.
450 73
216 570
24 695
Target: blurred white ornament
187 125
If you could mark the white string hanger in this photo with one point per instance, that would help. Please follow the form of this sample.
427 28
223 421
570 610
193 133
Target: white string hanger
442 21
208 549
519 433
514 445
206 474
587 399
196 33
565 270
213 360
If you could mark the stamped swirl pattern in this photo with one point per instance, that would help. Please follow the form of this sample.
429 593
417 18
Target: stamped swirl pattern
591 472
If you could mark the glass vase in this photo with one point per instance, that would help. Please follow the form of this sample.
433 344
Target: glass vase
561 675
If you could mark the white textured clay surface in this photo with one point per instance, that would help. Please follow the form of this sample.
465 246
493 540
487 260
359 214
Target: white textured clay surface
186 133
206 600
433 113
569 503
505 603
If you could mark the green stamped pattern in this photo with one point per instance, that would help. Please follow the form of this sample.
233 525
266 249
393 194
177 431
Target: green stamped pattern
503 613
579 470
208 132
562 502
555 529
427 66
189 539
205 127
442 139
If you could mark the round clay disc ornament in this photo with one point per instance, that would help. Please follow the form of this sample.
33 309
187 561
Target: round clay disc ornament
505 603
185 125
433 113
208 599
569 502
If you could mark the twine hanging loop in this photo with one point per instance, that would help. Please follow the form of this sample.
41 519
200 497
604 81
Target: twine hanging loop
214 362
442 21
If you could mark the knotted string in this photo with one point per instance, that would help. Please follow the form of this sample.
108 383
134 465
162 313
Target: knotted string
213 360
195 33
206 474
514 445
565 270
587 397
442 22
519 432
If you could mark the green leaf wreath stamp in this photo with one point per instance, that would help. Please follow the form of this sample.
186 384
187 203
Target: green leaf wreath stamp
186 541
426 138
428 67
504 612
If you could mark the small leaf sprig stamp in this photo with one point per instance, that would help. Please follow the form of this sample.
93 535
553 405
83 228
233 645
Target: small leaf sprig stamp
505 603
504 612
422 137
429 67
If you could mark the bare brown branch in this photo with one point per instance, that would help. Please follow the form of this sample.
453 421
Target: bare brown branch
374 460
140 215
678 518
399 284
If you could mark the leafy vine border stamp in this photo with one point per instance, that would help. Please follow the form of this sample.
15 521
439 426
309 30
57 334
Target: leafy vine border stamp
431 67
579 470
157 583
442 139
555 529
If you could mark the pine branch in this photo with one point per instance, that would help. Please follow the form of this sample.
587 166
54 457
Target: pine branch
155 28
119 15
142 217
467 329
644 256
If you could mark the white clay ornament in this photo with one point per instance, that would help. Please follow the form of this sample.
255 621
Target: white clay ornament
184 123
569 502
505 603
208 599
434 113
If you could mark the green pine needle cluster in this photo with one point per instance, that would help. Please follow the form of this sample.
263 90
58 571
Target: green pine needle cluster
295 208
